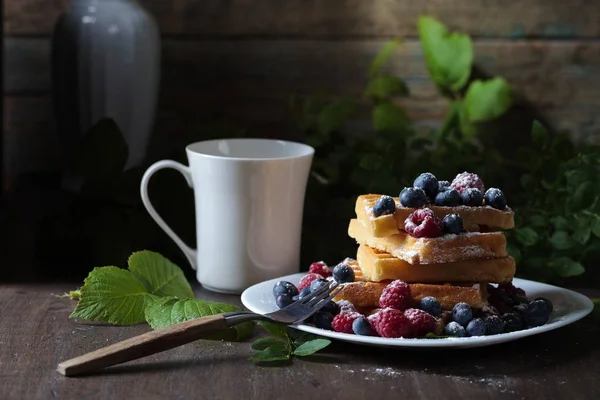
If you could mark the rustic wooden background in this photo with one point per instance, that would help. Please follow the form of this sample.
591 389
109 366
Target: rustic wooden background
238 61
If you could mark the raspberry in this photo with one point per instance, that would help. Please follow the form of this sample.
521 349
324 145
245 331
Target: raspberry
391 323
421 322
307 279
467 180
320 268
343 322
423 223
396 295
346 307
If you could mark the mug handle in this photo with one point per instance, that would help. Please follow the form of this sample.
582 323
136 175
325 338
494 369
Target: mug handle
185 171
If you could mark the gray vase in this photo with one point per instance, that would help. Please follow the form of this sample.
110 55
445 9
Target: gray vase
105 63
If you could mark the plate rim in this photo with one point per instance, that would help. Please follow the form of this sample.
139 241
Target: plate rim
585 308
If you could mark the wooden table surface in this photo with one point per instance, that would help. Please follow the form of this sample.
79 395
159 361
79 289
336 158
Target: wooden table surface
36 334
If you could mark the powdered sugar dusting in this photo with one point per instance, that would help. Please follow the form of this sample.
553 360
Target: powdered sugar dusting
441 250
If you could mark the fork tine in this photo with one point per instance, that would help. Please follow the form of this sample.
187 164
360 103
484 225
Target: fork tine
327 299
318 292
315 299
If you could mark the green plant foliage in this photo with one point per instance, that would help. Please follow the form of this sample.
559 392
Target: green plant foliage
555 201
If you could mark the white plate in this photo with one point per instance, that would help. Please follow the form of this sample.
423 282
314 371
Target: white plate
569 307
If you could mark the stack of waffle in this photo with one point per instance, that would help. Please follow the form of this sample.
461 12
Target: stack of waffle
452 268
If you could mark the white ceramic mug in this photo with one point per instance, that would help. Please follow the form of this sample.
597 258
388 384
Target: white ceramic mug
249 202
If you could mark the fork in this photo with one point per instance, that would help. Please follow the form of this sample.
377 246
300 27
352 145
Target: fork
182 333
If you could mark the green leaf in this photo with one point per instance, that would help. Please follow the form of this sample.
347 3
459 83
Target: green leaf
332 117
385 86
575 178
274 329
432 335
263 343
526 236
386 117
165 311
448 55
561 240
103 152
451 120
584 195
487 100
582 235
160 276
596 227
381 58
539 134
113 295
583 229
468 129
311 347
538 221
275 353
561 223
514 252
566 267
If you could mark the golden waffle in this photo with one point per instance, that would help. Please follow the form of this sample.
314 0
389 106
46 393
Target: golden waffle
378 266
473 217
366 294
444 249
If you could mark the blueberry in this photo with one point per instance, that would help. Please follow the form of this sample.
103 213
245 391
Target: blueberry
283 300
448 198
519 308
304 292
462 313
385 205
536 313
472 197
443 185
493 325
455 329
495 198
428 182
476 327
413 197
361 326
548 303
330 307
512 322
317 284
323 320
453 223
342 273
430 305
284 287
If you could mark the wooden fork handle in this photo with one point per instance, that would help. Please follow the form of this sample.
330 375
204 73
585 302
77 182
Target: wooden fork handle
143 345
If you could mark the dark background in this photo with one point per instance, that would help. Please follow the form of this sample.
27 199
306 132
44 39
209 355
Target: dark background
237 63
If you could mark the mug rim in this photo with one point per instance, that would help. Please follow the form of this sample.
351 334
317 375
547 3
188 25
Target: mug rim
308 150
